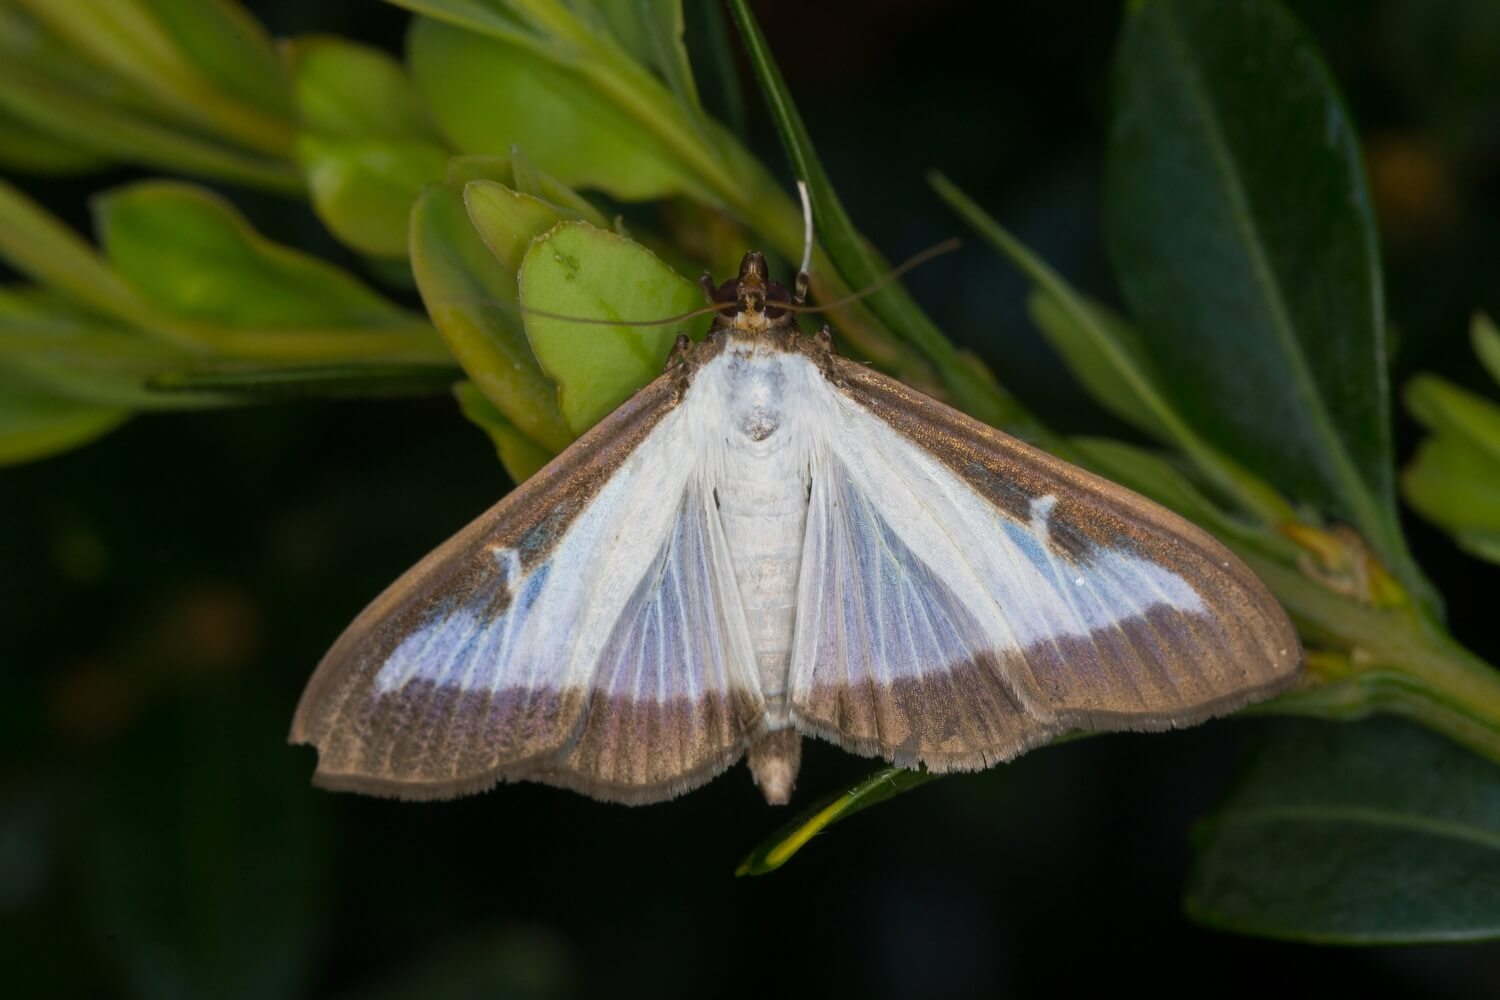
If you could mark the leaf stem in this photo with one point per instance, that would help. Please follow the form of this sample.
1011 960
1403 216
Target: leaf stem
1398 663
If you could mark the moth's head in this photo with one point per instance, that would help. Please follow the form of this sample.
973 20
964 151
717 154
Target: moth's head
750 300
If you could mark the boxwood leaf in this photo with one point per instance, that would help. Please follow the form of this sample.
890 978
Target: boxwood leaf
36 421
226 44
106 129
37 244
350 91
247 383
363 189
366 144
26 149
1447 409
1454 483
1107 356
1376 832
777 849
206 65
466 291
463 169
1486 341
508 221
578 270
489 95
520 455
651 31
1238 219
193 254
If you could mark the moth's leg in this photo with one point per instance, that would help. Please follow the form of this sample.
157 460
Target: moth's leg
679 354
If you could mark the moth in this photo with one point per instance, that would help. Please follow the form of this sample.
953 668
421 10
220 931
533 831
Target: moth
768 542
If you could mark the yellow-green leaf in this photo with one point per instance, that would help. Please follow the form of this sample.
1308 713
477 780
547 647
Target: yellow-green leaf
1448 410
577 270
777 849
193 254
489 95
363 188
36 421
1486 341
347 90
520 455
507 220
1455 484
466 292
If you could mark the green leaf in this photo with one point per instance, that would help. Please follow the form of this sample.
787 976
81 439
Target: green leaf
193 254
1237 215
82 356
228 46
1368 833
508 221
466 291
707 27
28 150
262 384
1448 410
1486 341
1108 357
521 456
105 129
366 144
972 388
1075 329
36 421
499 169
651 31
1454 483
139 42
37 244
346 90
577 270
363 189
778 849
489 95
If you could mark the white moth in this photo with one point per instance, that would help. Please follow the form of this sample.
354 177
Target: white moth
767 542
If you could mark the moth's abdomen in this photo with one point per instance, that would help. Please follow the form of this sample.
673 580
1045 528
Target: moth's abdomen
764 514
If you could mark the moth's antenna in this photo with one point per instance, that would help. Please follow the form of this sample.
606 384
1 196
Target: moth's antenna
915 260
593 321
804 278
587 320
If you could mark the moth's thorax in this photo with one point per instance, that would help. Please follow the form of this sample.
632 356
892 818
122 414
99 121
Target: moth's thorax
756 391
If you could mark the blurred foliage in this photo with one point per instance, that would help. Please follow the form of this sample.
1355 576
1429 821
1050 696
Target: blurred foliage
1454 480
572 157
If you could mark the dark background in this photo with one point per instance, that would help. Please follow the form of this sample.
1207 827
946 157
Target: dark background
165 593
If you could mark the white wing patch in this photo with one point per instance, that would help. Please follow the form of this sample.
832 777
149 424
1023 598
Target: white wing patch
553 629
1005 573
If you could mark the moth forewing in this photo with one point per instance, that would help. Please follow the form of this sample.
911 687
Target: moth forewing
770 541
471 668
